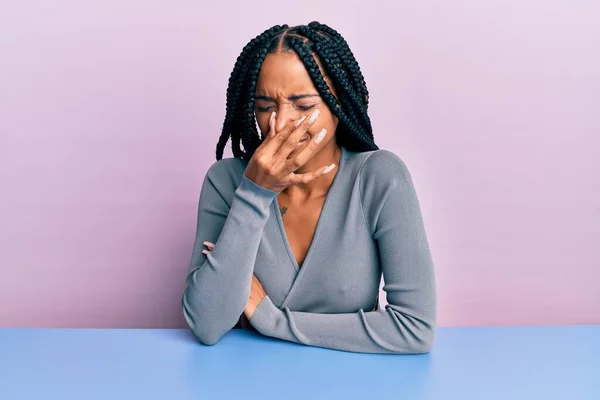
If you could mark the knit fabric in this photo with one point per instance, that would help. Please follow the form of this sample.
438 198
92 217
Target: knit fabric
370 225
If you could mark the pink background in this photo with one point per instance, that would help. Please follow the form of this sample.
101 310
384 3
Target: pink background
110 113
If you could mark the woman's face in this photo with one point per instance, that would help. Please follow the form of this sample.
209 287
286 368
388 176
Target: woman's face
285 87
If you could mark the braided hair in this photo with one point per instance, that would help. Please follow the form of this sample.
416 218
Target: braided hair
326 56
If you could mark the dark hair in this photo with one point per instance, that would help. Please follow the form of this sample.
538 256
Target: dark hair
354 130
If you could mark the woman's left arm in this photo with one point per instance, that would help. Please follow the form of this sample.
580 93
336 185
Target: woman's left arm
408 322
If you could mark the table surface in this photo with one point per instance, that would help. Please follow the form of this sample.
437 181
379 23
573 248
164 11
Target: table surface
561 362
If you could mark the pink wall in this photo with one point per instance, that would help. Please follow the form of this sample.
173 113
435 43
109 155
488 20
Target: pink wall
110 112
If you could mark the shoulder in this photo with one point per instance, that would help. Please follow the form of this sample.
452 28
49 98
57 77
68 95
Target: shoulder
226 174
384 177
383 168
226 166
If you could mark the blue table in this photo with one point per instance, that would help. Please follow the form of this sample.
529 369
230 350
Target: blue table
467 363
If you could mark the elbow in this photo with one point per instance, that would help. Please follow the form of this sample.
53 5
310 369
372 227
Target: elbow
206 337
416 331
415 336
206 333
424 346
424 339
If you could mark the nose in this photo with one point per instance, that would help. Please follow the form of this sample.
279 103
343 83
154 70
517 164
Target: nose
285 116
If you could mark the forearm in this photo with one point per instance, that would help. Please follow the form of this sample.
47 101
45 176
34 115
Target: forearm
217 288
384 331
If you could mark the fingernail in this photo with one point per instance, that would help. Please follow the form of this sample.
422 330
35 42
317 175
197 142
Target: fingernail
320 135
314 116
328 169
297 124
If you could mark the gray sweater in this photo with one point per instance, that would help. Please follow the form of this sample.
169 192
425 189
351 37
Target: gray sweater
370 224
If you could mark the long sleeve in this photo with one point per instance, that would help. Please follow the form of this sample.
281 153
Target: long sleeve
218 284
407 324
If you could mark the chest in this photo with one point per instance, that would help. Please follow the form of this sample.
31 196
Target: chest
319 256
300 223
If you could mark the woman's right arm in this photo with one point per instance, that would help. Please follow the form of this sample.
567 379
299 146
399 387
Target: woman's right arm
218 283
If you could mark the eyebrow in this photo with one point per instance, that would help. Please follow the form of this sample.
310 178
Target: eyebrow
292 97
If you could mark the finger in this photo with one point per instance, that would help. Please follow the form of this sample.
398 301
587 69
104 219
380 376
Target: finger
290 135
272 131
307 152
288 140
299 121
270 144
268 136
296 179
208 244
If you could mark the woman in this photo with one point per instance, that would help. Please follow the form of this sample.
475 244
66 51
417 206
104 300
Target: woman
295 231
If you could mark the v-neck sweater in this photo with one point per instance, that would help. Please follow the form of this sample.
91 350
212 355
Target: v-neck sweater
370 225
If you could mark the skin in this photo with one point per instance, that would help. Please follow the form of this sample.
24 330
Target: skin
282 79
285 87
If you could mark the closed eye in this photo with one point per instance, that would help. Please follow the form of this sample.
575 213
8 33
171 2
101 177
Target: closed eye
269 108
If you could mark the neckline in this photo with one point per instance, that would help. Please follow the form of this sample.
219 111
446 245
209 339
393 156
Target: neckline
320 221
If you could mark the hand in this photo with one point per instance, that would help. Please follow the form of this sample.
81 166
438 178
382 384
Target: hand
269 166
210 246
256 291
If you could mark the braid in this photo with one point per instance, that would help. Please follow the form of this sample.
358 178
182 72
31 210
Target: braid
351 101
348 58
250 138
313 70
237 83
312 43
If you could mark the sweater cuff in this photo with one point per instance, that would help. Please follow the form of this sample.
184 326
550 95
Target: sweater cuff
260 191
254 200
266 317
251 191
